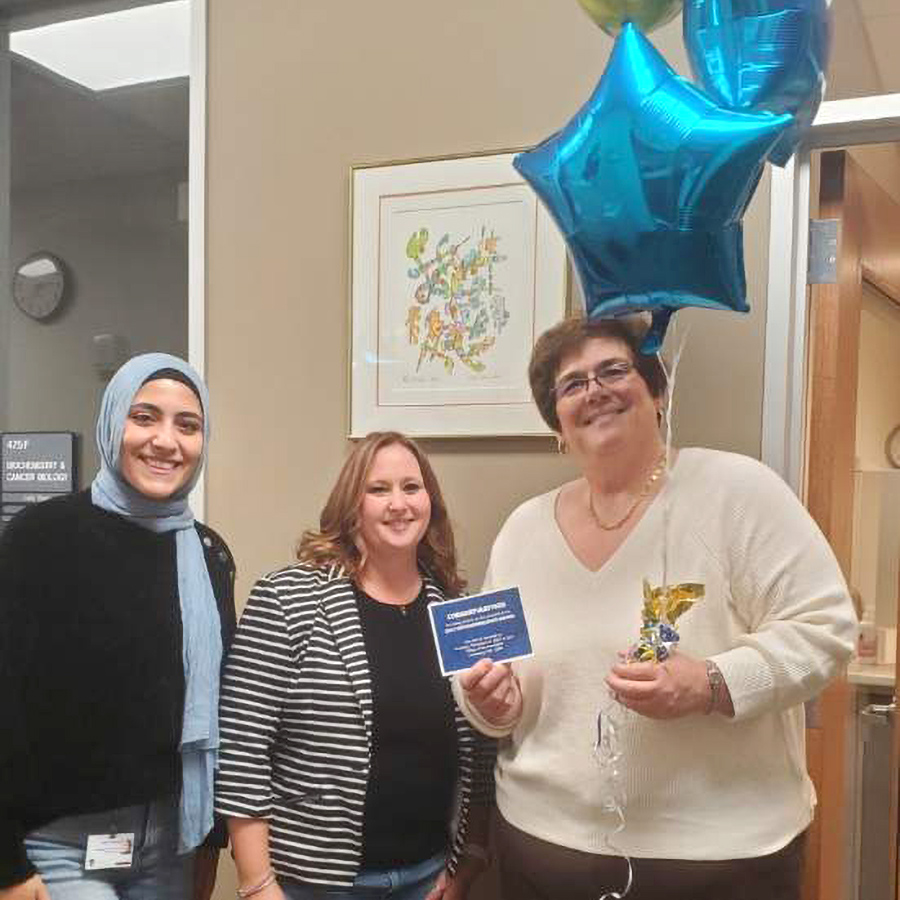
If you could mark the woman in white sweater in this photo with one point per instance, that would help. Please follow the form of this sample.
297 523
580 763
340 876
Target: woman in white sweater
713 769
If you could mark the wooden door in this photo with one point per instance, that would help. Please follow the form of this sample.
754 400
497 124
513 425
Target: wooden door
868 251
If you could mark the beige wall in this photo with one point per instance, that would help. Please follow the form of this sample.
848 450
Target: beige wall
882 162
298 91
852 70
876 527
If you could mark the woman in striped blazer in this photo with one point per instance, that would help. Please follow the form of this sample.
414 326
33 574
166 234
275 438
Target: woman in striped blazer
344 757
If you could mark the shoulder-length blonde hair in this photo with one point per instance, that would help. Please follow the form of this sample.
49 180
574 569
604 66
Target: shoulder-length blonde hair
335 542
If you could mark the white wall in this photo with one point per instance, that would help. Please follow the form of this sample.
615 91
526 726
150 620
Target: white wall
876 530
886 584
878 385
875 565
126 254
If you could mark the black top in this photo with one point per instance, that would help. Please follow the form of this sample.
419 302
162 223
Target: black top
91 675
413 771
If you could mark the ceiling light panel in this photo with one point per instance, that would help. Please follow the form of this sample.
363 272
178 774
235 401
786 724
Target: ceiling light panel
132 46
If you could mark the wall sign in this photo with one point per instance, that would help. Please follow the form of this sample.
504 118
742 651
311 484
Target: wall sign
35 466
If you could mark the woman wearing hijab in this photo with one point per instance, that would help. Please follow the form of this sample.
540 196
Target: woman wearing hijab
115 607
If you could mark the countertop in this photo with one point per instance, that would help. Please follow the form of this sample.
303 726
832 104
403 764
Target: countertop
871 676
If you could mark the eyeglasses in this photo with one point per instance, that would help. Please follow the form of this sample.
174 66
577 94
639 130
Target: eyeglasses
605 376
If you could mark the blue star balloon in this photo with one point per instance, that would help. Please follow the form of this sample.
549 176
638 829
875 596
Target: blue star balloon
758 55
648 184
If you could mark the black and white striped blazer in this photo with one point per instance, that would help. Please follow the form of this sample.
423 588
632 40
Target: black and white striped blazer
296 727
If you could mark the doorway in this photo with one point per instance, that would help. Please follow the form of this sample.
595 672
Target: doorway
101 171
820 360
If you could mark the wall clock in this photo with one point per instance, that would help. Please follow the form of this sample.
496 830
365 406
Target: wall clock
892 447
39 285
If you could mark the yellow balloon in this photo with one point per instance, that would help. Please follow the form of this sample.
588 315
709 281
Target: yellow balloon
611 15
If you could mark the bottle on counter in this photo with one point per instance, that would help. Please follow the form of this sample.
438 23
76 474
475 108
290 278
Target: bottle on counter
867 643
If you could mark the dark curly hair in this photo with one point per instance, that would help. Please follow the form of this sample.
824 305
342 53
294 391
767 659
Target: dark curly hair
568 337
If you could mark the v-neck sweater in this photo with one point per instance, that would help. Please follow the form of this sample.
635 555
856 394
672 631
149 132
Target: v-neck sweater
776 618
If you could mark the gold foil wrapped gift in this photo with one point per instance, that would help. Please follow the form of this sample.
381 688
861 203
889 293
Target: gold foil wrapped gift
663 606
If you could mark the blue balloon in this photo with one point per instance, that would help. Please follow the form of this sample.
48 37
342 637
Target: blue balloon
759 55
648 184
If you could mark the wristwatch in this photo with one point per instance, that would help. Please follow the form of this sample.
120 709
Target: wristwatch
716 685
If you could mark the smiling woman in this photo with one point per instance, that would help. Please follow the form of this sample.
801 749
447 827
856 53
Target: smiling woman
163 439
394 515
117 661
336 718
718 798
101 103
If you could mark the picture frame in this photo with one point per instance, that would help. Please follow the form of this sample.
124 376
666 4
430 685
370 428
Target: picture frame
456 268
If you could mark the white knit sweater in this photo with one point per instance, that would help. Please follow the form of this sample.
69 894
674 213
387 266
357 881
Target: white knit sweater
776 618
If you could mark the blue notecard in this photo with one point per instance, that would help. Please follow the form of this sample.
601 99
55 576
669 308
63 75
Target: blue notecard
483 625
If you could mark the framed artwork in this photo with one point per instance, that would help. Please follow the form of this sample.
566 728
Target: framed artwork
456 268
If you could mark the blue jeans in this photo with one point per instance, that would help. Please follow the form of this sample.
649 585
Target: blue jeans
409 883
157 872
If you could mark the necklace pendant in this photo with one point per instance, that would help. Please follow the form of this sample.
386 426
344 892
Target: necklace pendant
654 476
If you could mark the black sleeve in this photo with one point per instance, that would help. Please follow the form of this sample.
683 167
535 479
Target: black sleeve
221 567
222 570
21 586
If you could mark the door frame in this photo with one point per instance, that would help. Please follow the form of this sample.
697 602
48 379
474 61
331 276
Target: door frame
197 132
786 419
839 123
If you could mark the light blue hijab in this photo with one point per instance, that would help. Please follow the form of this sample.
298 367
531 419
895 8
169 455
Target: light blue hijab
202 638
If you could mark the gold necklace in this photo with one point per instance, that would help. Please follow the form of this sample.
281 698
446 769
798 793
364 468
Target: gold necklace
652 478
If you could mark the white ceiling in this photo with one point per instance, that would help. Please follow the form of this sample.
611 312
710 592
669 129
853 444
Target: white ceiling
62 131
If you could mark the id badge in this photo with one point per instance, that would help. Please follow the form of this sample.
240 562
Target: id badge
109 851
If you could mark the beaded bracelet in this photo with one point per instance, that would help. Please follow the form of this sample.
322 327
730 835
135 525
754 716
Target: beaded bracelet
243 893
